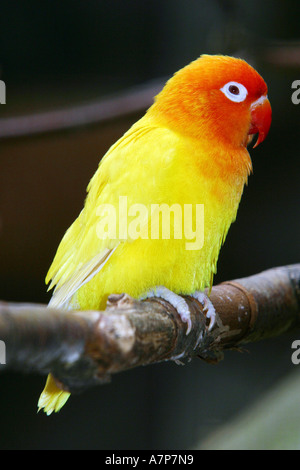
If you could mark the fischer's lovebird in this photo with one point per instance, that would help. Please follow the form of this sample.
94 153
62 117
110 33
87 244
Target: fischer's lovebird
188 151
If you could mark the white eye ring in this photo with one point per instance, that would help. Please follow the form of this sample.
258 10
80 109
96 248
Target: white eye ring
234 91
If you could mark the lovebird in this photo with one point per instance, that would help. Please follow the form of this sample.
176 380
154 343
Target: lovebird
160 204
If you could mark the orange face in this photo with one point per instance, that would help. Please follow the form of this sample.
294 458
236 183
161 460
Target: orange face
217 97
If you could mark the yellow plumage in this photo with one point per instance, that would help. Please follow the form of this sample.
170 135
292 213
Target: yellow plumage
52 398
160 160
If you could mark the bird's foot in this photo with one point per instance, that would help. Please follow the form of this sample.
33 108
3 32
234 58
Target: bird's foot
208 307
175 300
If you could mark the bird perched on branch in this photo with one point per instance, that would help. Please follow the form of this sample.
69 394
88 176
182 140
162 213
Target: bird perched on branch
188 154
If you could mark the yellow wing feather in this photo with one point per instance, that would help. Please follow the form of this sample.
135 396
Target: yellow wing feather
80 256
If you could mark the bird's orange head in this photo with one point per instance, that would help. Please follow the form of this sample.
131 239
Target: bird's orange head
216 97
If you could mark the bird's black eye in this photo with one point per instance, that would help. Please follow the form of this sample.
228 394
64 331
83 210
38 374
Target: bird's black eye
234 90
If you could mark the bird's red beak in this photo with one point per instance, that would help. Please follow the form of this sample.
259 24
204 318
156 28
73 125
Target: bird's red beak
261 117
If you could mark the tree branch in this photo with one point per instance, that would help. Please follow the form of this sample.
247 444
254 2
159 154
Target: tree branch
85 348
131 101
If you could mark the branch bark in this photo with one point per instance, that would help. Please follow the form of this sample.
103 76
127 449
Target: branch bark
84 348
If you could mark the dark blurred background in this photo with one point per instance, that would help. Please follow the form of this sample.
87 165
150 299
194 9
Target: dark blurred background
58 54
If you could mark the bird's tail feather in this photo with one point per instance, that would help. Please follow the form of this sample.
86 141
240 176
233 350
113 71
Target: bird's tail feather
52 397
